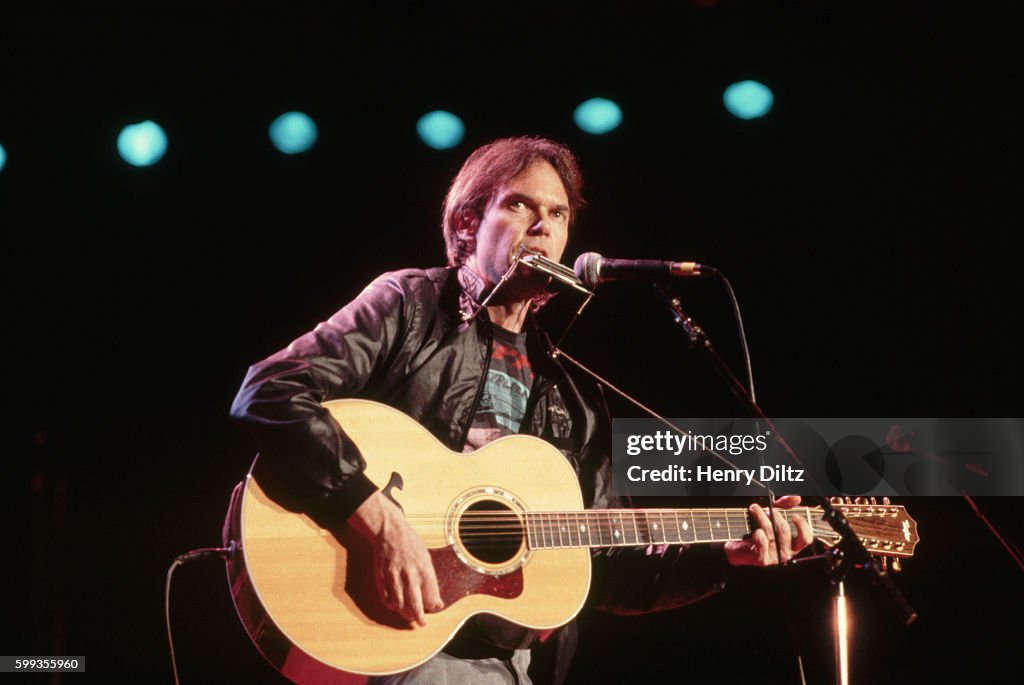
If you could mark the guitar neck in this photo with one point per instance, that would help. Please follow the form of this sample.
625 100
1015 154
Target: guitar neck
639 527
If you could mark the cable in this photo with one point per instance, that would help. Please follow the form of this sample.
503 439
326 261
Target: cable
771 494
202 553
743 333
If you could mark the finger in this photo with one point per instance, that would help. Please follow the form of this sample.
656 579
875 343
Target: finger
431 592
395 591
764 524
787 501
764 547
805 535
414 599
761 517
784 536
382 587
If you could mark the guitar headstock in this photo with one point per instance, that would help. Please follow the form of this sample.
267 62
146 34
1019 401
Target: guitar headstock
885 529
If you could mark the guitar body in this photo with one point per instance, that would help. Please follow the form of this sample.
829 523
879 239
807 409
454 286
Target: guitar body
307 596
506 531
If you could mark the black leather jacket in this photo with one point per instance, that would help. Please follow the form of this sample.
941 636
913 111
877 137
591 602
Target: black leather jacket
404 341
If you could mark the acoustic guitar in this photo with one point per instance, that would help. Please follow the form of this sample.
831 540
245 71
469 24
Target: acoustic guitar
506 530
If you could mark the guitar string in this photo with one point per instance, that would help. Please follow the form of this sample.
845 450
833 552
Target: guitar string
485 525
490 536
739 513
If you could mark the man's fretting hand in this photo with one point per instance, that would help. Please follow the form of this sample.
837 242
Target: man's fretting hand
402 568
759 549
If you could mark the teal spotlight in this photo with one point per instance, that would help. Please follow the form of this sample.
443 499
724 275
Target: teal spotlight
293 132
142 144
3 157
748 99
440 130
597 116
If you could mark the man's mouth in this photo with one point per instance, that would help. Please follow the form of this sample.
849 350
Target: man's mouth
535 250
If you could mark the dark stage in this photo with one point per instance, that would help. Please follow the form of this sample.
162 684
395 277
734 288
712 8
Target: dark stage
865 224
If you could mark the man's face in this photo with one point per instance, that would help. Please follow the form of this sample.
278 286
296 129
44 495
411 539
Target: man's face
531 209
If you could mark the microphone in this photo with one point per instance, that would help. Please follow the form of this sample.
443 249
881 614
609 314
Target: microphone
593 269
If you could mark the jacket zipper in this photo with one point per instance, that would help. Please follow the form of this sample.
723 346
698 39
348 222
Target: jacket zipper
480 387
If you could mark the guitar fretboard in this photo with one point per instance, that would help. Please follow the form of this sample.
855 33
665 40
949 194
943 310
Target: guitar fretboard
640 527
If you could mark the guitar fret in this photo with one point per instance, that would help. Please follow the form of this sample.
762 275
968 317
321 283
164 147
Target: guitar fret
714 526
594 523
624 537
605 528
715 522
657 527
643 534
686 528
671 525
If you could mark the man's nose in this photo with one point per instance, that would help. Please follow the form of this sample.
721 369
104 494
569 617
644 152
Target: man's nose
540 226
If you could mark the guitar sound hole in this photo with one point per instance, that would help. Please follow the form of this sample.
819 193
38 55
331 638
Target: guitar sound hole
490 532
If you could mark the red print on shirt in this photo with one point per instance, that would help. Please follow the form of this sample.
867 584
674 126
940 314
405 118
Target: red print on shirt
511 356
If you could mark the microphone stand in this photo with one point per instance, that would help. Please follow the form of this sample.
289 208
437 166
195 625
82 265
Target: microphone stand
850 551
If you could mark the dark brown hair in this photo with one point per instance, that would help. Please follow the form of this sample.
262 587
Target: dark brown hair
491 166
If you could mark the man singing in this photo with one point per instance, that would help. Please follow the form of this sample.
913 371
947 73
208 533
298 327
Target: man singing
420 341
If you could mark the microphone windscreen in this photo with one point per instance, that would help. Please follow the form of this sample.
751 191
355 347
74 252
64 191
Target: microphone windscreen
588 269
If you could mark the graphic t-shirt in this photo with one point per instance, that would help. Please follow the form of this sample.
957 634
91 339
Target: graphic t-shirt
506 390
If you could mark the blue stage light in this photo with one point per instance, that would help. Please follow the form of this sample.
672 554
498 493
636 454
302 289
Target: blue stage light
293 132
440 130
748 99
598 115
3 157
142 144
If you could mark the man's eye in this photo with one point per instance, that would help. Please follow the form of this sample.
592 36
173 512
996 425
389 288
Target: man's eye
516 204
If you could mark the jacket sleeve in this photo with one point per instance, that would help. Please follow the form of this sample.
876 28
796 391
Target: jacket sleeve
313 466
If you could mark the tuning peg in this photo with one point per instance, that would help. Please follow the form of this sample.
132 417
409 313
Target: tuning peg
874 501
897 566
848 501
835 500
885 500
858 500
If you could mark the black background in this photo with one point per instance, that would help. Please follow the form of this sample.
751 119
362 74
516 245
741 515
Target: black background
865 225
